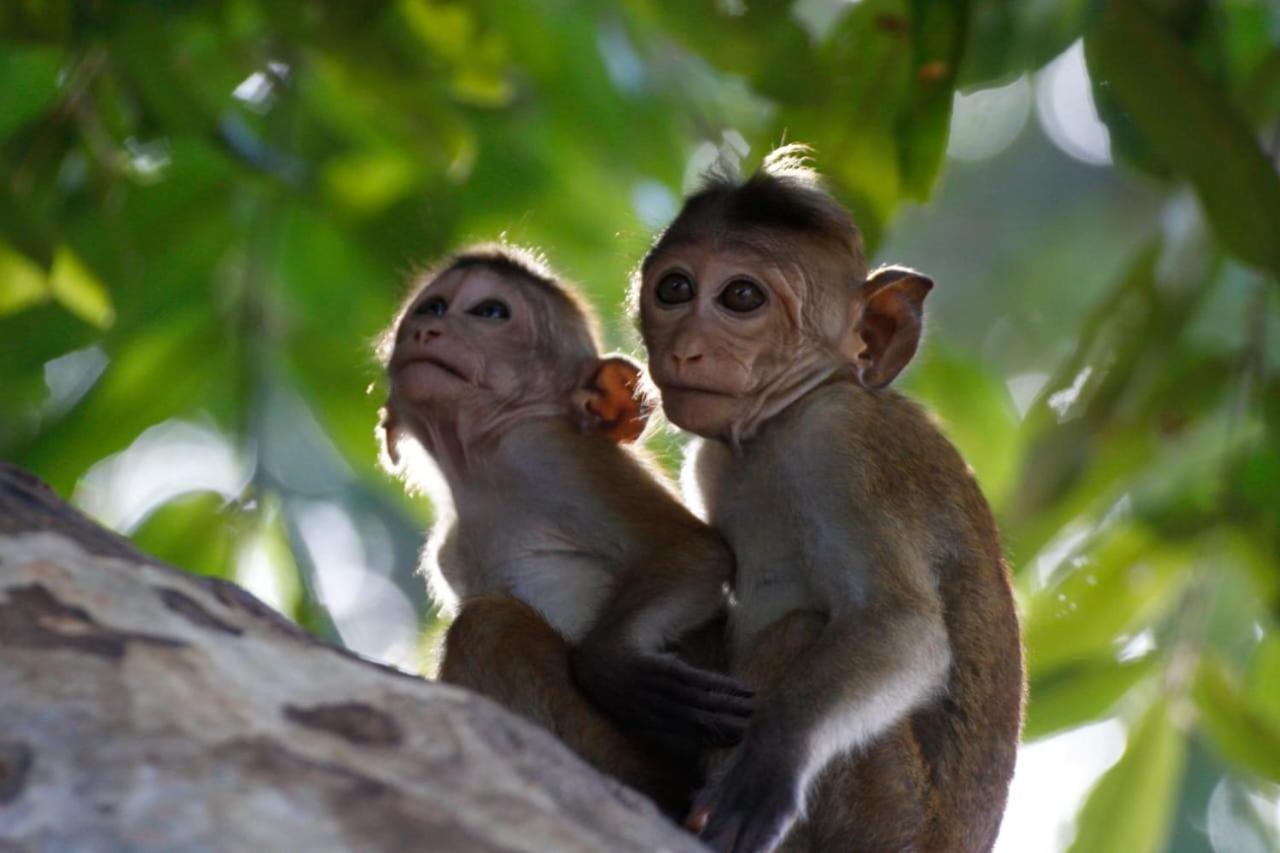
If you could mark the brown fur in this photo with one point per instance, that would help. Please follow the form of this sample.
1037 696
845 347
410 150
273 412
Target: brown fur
874 613
502 648
572 564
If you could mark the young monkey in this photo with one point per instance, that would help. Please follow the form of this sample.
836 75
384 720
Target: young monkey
559 549
873 610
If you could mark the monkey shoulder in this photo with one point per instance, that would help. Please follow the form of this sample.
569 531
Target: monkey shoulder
575 510
561 465
892 449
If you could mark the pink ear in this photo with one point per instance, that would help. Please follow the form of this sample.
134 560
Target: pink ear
611 403
891 322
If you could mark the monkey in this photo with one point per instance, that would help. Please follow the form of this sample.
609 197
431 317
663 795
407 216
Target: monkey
872 609
563 554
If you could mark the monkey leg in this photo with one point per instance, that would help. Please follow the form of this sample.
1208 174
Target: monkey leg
873 801
504 649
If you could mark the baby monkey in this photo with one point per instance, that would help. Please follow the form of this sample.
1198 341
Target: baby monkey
564 555
872 602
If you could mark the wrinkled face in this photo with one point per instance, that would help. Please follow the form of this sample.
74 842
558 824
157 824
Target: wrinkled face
728 332
470 337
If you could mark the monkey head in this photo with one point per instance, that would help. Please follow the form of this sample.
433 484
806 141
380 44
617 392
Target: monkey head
758 292
492 336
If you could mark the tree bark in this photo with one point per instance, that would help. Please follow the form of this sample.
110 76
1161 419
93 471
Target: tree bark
143 708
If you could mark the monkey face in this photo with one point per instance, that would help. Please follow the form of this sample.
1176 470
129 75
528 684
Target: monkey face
469 338
727 336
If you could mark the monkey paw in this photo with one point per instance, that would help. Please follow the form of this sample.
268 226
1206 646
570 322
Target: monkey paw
663 699
751 803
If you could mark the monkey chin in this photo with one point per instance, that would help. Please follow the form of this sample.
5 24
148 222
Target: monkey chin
426 382
709 414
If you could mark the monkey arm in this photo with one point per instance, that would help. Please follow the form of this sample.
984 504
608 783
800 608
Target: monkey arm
623 663
868 668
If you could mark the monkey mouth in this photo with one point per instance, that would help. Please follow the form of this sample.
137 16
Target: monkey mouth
692 388
434 361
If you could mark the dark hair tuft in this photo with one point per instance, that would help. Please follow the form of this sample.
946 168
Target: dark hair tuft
784 194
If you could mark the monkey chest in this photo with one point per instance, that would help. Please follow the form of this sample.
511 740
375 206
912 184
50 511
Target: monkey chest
771 566
793 544
564 582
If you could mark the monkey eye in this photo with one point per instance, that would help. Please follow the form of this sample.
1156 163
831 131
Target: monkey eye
434 306
490 309
674 289
742 296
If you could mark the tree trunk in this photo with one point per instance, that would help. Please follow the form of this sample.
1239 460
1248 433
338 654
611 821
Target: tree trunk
143 708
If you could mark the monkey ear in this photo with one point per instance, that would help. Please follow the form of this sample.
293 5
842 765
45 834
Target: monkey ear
610 402
891 323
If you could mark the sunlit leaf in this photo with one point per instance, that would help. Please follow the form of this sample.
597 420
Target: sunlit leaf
481 85
369 182
447 28
1078 693
1264 677
197 532
171 369
1117 587
1130 807
22 281
976 414
79 290
266 566
1245 736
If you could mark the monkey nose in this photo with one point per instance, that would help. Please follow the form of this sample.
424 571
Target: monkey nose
422 334
687 358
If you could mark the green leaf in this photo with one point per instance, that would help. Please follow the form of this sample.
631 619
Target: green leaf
1080 692
22 281
1245 736
446 28
1119 586
924 120
1132 806
29 81
79 290
268 568
1007 37
976 412
196 532
1190 124
369 182
1264 676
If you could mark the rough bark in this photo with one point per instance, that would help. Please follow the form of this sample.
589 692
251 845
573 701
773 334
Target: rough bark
143 708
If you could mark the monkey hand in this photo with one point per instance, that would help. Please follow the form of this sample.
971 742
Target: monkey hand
663 699
752 801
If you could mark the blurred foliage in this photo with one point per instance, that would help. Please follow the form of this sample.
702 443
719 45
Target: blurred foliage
209 209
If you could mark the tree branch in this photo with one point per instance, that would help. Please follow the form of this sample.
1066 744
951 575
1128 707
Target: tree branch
145 708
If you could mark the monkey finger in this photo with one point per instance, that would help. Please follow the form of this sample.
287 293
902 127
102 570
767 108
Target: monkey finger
697 819
708 679
695 686
690 716
689 725
721 831
758 800
702 697
707 726
687 695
